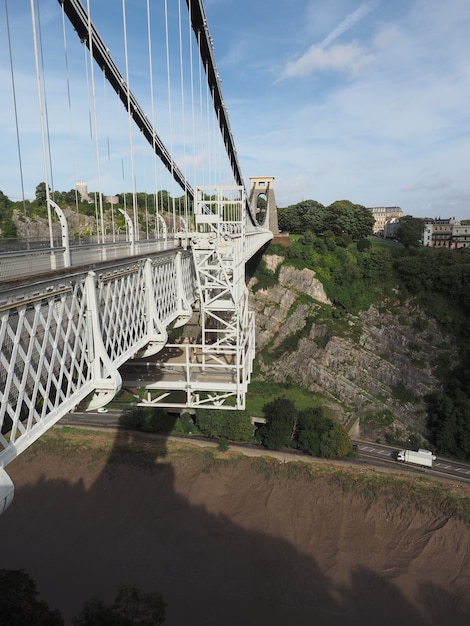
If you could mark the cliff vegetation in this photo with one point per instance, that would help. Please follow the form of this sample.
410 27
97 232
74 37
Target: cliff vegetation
377 332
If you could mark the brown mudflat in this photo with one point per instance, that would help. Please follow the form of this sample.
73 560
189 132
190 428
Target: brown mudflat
234 541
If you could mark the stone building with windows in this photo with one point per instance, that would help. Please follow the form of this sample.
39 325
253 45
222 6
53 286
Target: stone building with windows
384 215
446 233
461 235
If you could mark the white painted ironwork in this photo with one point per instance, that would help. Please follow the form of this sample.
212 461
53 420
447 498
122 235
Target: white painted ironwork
73 340
64 232
130 227
62 342
214 371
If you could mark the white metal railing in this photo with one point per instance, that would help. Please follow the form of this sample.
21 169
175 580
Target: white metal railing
25 263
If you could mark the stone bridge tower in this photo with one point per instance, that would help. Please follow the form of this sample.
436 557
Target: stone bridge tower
263 186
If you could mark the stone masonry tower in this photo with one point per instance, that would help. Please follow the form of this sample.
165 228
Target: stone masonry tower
263 186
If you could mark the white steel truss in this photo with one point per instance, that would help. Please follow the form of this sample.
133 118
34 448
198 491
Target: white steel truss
214 371
63 341
72 340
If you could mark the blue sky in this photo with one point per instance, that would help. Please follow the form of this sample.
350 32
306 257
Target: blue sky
365 101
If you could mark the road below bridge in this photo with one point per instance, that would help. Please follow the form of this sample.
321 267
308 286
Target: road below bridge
367 453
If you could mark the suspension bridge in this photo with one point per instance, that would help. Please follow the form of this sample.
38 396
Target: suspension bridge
132 103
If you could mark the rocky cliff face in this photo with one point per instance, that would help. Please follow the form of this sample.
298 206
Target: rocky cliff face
377 366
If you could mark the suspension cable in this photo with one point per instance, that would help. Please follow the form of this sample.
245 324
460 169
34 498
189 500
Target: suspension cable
201 115
46 111
95 119
129 118
167 44
152 103
193 123
110 178
71 128
183 118
41 119
20 161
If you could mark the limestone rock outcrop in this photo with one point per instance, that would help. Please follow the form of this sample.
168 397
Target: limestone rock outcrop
378 364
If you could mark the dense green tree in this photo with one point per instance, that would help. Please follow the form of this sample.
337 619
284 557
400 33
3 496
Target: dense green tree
70 197
164 200
41 194
305 215
147 419
210 422
312 423
289 219
364 244
280 428
8 229
131 606
448 411
345 217
19 605
220 423
238 426
410 231
5 205
335 442
375 267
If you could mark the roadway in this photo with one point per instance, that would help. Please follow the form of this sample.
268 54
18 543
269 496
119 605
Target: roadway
386 455
31 264
368 453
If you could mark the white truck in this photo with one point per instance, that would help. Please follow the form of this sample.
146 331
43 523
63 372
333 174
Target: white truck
421 457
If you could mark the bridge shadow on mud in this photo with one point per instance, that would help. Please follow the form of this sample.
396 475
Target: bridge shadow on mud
84 525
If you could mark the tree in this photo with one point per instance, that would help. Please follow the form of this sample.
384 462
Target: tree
147 419
279 430
8 229
289 219
448 411
345 217
335 442
70 197
237 426
305 215
5 205
210 422
41 195
410 231
363 245
318 435
19 605
131 606
311 425
220 423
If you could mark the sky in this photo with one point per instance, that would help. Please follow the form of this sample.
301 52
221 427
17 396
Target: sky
363 101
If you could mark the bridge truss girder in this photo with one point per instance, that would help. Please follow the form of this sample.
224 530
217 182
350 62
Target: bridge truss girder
214 371
62 342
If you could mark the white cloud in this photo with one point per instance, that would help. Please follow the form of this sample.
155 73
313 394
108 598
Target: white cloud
343 57
349 22
324 56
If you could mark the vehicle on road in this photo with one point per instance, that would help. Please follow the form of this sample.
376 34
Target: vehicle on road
421 457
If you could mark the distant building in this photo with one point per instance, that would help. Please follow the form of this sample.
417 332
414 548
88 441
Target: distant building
446 233
460 235
82 188
384 215
390 228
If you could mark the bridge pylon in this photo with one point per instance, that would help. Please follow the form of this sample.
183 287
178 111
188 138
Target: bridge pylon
263 186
